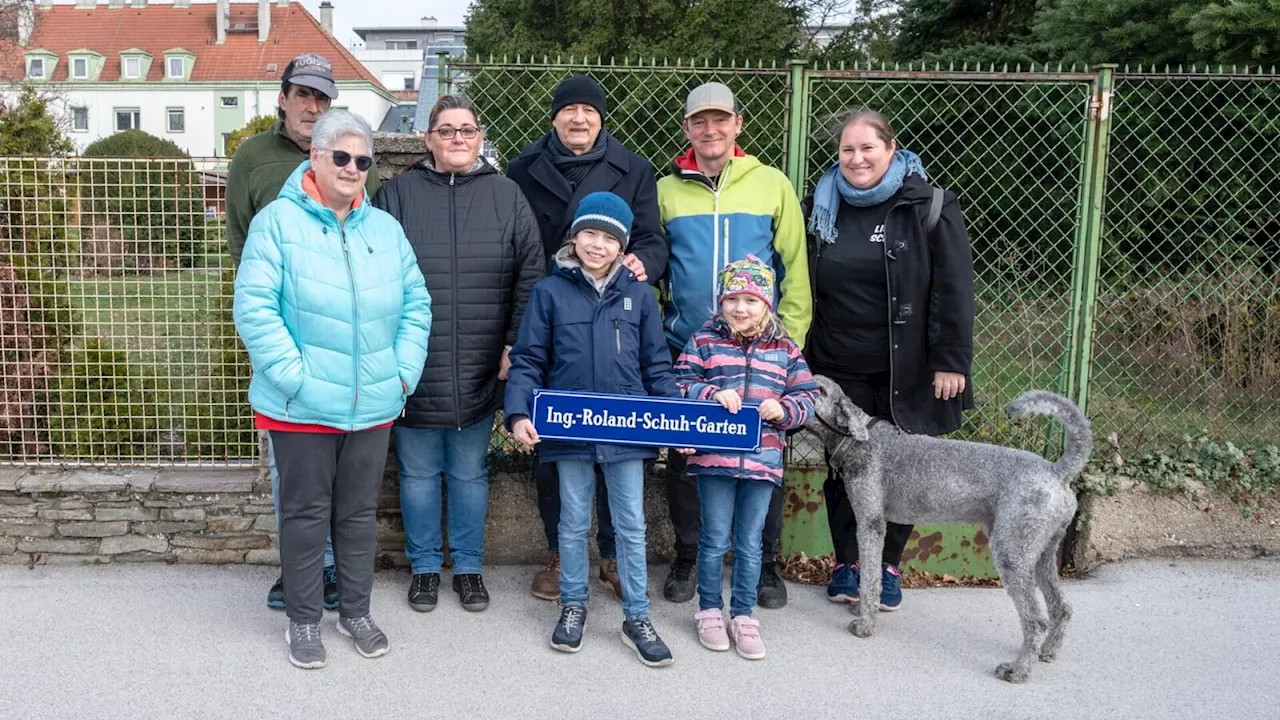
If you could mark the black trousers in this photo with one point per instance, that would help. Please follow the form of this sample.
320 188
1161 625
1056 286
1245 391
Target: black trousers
871 393
547 480
329 480
686 517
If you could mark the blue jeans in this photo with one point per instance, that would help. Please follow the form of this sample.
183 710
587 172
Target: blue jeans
738 506
461 455
275 499
625 483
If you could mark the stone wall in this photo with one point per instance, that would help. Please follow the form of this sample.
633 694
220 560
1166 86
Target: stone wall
226 516
397 152
1137 522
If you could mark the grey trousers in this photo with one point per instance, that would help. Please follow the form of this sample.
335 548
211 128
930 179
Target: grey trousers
329 480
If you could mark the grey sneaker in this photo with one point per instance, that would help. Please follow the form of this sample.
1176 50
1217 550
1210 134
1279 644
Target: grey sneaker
370 642
305 649
640 636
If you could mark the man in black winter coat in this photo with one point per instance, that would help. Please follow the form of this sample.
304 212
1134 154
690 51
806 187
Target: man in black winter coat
576 158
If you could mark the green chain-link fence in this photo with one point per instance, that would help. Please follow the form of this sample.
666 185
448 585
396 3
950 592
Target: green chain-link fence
1011 149
1126 248
1012 145
1187 336
646 104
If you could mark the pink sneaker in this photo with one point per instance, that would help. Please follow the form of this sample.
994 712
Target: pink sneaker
746 634
711 630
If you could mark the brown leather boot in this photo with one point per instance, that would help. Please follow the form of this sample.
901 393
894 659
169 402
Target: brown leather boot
609 576
546 584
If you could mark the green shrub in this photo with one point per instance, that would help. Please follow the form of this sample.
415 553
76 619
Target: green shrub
260 124
217 423
101 406
146 193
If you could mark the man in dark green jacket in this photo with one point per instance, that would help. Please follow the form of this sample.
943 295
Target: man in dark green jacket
263 162
259 169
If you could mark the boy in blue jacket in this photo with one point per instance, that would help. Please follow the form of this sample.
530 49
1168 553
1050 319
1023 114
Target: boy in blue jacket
591 326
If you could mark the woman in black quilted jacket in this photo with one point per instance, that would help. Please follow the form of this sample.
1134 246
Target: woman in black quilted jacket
480 250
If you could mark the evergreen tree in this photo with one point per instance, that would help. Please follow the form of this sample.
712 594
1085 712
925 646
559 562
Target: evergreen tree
716 29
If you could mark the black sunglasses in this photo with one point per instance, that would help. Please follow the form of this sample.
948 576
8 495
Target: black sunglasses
342 157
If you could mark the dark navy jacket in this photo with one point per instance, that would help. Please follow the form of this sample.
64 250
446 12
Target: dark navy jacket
621 172
575 338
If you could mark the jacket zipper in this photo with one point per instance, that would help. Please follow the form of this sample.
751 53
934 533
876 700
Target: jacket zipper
355 325
617 335
746 390
715 243
717 263
453 256
888 284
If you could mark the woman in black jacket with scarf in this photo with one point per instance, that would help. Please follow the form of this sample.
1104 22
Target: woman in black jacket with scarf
892 275
479 248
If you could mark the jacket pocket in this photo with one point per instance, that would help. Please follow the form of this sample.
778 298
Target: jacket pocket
625 344
573 349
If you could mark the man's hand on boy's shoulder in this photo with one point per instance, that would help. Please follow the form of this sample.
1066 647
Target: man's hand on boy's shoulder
636 266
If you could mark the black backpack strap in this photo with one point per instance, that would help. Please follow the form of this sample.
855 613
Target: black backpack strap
935 210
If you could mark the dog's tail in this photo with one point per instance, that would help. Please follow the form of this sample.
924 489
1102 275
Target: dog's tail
1079 436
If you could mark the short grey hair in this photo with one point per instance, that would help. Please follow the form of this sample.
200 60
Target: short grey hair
336 124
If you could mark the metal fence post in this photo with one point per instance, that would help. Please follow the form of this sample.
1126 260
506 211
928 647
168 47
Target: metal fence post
797 124
443 81
1084 281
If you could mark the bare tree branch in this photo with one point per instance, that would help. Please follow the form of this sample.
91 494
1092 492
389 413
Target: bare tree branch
18 20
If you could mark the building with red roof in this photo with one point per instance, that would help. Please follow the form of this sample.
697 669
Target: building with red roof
190 72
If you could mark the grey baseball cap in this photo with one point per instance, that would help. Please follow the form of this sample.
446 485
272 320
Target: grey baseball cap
313 71
711 96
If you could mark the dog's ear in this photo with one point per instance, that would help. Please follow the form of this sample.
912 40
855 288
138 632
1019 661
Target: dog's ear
855 420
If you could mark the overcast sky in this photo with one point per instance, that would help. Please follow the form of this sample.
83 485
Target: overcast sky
348 14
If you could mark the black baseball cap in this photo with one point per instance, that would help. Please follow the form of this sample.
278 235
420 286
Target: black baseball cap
313 71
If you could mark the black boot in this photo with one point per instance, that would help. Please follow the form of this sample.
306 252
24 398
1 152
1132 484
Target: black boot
771 593
332 597
680 582
275 596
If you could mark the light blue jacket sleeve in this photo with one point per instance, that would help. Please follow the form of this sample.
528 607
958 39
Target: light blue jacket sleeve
273 352
415 317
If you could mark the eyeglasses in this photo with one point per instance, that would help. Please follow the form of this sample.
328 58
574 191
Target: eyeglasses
446 133
341 158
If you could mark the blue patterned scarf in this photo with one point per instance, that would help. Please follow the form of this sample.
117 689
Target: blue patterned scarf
832 188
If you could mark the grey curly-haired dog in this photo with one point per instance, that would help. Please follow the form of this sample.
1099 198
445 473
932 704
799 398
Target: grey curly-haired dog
1023 500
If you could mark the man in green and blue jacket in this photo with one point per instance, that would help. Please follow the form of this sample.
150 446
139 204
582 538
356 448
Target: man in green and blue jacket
718 206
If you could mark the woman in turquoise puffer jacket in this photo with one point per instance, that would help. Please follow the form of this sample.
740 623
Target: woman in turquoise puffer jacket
335 314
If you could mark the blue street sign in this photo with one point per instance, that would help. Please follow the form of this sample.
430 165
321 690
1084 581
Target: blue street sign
642 420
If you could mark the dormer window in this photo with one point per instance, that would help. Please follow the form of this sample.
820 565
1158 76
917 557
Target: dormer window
35 70
178 64
83 65
132 68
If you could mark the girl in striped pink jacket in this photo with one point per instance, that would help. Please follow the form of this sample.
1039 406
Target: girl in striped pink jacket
742 354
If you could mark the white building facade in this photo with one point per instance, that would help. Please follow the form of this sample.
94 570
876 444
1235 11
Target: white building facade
212 70
197 119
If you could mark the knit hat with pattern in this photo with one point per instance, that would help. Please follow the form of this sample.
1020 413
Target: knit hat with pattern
748 276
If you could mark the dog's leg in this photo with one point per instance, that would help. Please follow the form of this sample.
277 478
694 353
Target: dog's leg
871 528
1017 566
1051 585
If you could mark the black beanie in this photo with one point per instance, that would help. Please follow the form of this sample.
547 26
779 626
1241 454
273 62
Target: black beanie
578 89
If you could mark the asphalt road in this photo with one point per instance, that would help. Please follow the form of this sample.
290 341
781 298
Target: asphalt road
1153 639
